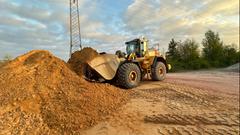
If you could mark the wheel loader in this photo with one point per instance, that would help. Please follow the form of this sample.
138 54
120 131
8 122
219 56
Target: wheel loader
128 70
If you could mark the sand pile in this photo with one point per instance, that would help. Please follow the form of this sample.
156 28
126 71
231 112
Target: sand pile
233 68
78 60
39 94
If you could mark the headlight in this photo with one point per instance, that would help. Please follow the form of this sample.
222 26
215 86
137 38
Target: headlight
169 67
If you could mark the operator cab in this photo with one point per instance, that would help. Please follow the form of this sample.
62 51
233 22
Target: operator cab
138 46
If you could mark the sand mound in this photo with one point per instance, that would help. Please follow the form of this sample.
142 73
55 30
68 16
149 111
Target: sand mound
78 59
233 68
39 94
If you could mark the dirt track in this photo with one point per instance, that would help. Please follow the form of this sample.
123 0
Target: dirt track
205 102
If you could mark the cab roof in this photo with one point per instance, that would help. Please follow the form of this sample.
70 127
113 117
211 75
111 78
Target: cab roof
134 40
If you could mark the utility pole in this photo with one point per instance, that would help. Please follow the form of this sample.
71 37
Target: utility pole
75 31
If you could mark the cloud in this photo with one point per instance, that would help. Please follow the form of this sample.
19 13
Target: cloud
44 24
27 25
106 25
162 20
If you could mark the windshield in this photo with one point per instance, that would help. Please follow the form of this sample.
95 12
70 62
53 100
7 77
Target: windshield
131 48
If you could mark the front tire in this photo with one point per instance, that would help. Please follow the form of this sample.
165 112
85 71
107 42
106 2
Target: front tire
159 72
128 75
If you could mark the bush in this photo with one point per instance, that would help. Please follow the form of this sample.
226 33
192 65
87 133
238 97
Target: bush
204 64
176 66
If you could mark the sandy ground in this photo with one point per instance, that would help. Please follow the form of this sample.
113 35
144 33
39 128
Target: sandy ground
204 102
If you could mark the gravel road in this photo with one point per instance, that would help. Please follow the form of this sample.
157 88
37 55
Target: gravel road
203 102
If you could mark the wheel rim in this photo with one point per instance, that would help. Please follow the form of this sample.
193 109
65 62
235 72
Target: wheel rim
133 76
161 72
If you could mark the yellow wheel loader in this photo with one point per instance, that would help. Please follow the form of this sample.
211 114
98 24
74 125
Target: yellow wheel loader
127 71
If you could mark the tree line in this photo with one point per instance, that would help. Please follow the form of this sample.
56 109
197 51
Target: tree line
187 55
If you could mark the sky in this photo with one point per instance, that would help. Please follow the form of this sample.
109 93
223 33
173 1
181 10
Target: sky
106 24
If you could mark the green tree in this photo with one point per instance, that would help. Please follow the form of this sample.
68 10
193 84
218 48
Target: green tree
172 50
213 48
173 56
7 57
189 54
189 50
230 55
185 55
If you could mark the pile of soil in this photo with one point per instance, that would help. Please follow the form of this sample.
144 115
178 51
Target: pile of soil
233 68
39 94
78 59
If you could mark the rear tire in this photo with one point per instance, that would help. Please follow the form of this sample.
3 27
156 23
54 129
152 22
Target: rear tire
159 72
128 75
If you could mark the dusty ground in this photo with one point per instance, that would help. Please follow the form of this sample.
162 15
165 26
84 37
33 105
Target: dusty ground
205 102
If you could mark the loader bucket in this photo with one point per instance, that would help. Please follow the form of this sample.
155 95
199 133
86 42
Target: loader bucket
105 65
